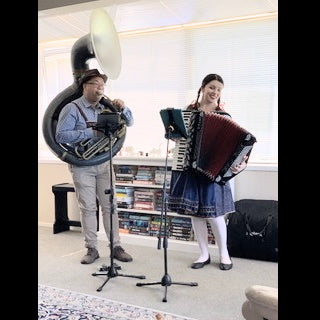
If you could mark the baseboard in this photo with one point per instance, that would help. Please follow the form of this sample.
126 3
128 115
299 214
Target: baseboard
50 225
45 224
147 241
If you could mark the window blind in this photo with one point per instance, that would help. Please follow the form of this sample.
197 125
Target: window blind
165 69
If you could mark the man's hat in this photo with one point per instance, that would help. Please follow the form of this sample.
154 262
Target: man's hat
89 74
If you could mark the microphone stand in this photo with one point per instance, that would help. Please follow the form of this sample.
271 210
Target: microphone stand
166 279
112 270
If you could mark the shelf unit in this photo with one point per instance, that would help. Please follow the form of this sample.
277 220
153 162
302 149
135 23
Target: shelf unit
143 186
147 240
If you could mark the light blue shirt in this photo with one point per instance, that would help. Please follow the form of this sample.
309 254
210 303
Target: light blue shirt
72 128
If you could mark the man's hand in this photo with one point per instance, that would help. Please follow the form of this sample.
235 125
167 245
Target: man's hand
118 103
239 167
98 133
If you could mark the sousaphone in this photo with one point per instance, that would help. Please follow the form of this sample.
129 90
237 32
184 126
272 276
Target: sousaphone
102 43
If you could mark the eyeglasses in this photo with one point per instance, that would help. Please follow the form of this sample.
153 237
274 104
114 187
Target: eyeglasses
96 84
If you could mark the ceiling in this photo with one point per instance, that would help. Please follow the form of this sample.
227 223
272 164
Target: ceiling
65 19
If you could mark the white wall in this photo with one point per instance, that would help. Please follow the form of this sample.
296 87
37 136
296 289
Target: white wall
48 175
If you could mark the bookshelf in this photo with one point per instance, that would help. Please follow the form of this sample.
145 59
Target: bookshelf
139 182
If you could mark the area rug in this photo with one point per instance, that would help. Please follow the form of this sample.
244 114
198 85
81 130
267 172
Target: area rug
61 304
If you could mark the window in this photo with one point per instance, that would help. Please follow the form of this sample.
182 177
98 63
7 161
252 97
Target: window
165 69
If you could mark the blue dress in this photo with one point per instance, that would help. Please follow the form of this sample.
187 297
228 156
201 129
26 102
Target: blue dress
192 193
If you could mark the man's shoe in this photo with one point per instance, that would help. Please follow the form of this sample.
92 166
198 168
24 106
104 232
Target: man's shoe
91 255
121 255
198 265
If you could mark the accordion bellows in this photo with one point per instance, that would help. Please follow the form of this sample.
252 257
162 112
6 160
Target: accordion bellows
215 144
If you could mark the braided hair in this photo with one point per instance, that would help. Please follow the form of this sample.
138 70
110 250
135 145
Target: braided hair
208 78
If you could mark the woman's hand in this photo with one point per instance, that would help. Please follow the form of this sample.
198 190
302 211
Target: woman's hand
239 167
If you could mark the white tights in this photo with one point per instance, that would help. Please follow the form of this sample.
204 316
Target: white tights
219 229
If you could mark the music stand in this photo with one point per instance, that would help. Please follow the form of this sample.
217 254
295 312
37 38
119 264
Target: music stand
174 126
111 122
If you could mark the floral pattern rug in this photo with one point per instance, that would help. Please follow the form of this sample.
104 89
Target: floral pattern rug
61 304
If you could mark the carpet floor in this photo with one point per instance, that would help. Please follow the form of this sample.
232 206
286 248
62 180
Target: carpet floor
61 304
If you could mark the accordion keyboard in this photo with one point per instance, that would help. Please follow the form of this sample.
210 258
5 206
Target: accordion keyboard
180 149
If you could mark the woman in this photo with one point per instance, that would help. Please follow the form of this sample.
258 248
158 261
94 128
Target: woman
192 193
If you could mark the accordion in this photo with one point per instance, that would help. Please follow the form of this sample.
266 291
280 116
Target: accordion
214 145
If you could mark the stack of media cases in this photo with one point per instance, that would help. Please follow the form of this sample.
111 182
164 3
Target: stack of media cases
125 173
124 197
181 229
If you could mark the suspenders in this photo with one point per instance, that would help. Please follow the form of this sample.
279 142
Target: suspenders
89 123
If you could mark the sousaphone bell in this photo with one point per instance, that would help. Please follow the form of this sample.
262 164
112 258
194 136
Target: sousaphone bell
103 44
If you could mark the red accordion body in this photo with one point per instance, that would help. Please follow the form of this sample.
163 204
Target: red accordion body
215 144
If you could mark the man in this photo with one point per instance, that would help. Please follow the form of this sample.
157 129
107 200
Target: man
90 182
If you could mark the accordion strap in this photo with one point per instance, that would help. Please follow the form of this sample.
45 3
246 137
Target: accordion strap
223 113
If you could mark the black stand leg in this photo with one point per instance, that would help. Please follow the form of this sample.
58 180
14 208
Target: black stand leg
112 273
166 279
112 269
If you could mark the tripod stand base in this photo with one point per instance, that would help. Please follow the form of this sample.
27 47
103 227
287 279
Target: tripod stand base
112 273
166 282
104 267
